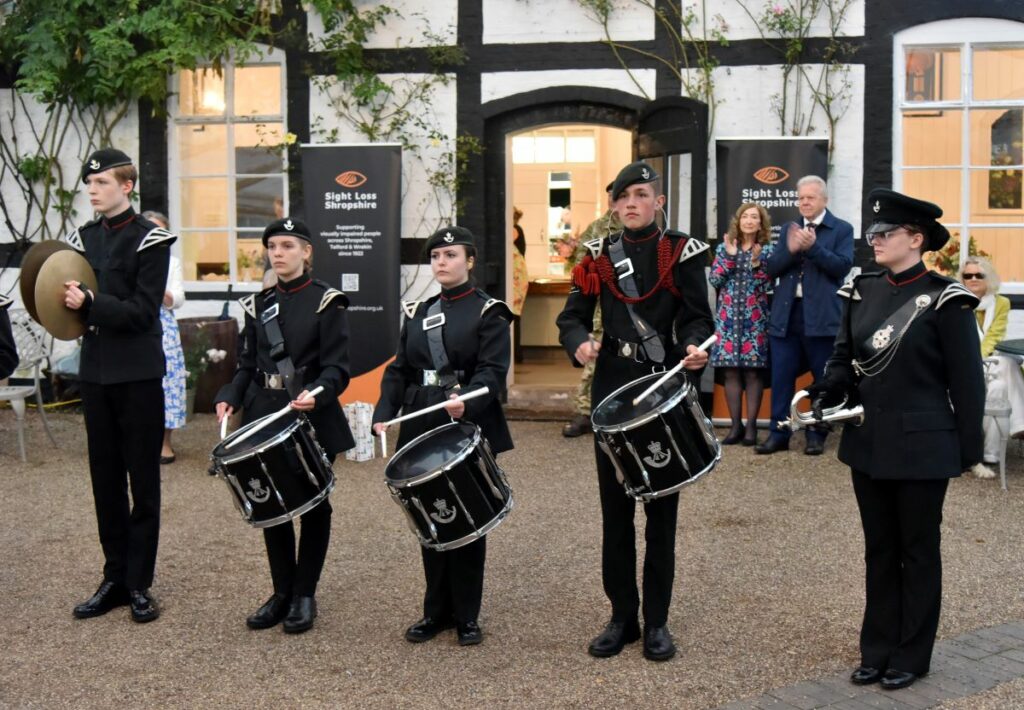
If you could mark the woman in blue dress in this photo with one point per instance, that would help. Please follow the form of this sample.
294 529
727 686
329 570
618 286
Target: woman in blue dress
741 318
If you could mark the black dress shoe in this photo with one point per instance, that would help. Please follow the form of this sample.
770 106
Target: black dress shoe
109 596
426 629
735 436
658 644
144 608
771 445
814 448
865 675
894 679
167 459
578 426
271 613
615 636
752 441
469 633
301 615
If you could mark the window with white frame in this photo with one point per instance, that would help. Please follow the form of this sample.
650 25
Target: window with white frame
960 131
228 166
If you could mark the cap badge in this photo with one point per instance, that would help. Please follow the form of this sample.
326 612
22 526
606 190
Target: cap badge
94 164
448 237
645 173
878 206
289 225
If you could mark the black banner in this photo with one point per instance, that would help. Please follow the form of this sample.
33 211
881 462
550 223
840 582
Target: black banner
766 170
353 208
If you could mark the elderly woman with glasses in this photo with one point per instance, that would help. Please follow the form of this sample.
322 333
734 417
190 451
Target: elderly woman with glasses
992 314
908 348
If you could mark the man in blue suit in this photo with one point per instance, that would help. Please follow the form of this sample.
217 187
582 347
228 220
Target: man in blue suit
810 261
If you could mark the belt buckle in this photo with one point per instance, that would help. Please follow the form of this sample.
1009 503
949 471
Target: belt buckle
431 378
274 381
658 369
629 268
433 321
629 350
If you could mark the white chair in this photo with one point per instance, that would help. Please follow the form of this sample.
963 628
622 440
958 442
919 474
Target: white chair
33 349
997 408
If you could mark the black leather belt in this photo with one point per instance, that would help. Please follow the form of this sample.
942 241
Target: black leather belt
269 381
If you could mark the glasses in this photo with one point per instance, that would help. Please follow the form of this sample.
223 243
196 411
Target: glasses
973 276
880 237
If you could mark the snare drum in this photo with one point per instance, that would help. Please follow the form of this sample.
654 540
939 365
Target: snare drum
660 444
277 474
449 486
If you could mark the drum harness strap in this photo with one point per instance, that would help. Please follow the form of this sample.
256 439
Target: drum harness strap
649 338
433 326
278 353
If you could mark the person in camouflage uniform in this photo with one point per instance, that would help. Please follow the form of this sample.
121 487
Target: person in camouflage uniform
606 224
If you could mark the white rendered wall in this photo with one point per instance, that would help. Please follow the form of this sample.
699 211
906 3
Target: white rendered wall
532 21
415 24
500 85
734 18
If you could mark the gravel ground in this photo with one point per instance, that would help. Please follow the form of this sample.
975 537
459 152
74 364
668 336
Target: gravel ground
768 588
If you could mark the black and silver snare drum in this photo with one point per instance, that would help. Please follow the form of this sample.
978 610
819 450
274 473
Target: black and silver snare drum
660 444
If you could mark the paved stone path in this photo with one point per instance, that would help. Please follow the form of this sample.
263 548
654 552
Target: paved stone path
961 666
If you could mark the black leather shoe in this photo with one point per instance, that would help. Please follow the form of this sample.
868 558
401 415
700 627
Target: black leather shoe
735 436
469 633
144 608
109 596
894 679
301 615
771 445
579 426
271 613
814 448
426 629
658 644
615 636
865 675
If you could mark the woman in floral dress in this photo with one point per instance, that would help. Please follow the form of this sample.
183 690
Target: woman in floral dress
741 319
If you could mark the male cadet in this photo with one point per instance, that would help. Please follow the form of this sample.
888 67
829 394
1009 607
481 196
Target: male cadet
652 281
121 369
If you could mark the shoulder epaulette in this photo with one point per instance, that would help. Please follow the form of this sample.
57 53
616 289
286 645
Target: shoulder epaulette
5 302
849 287
156 236
74 240
248 304
692 248
594 245
503 308
956 290
332 294
409 308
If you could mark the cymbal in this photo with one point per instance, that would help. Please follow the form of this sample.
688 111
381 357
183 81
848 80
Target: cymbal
30 266
59 320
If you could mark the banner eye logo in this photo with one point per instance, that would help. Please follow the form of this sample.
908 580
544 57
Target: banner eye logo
350 179
289 225
771 175
94 164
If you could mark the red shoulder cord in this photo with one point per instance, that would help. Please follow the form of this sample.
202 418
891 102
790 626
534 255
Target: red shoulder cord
590 272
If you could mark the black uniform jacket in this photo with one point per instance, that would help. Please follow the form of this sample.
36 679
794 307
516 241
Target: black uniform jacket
923 413
477 342
130 256
8 348
680 320
314 324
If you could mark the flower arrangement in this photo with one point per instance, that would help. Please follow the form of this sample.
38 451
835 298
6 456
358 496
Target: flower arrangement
198 357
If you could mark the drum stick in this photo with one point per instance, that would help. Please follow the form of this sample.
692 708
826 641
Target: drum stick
224 426
440 405
383 443
664 378
271 418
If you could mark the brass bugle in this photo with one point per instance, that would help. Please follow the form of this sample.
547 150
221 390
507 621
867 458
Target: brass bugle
798 420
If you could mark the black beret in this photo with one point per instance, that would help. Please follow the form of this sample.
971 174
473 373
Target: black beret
449 236
287 227
891 210
104 159
633 174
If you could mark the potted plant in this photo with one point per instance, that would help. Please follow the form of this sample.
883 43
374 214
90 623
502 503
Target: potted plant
198 357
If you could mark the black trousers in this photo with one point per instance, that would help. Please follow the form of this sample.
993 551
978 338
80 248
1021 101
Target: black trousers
455 582
618 549
903 579
298 574
124 426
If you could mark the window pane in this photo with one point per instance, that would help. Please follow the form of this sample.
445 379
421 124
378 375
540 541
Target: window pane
258 148
550 149
996 196
1005 246
939 186
202 150
997 137
932 137
200 93
205 256
204 202
522 149
258 91
249 253
579 149
259 201
998 73
932 74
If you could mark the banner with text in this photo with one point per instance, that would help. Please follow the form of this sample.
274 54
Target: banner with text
353 208
765 170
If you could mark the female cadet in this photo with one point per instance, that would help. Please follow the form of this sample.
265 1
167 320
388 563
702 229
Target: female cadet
905 348
476 344
295 340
